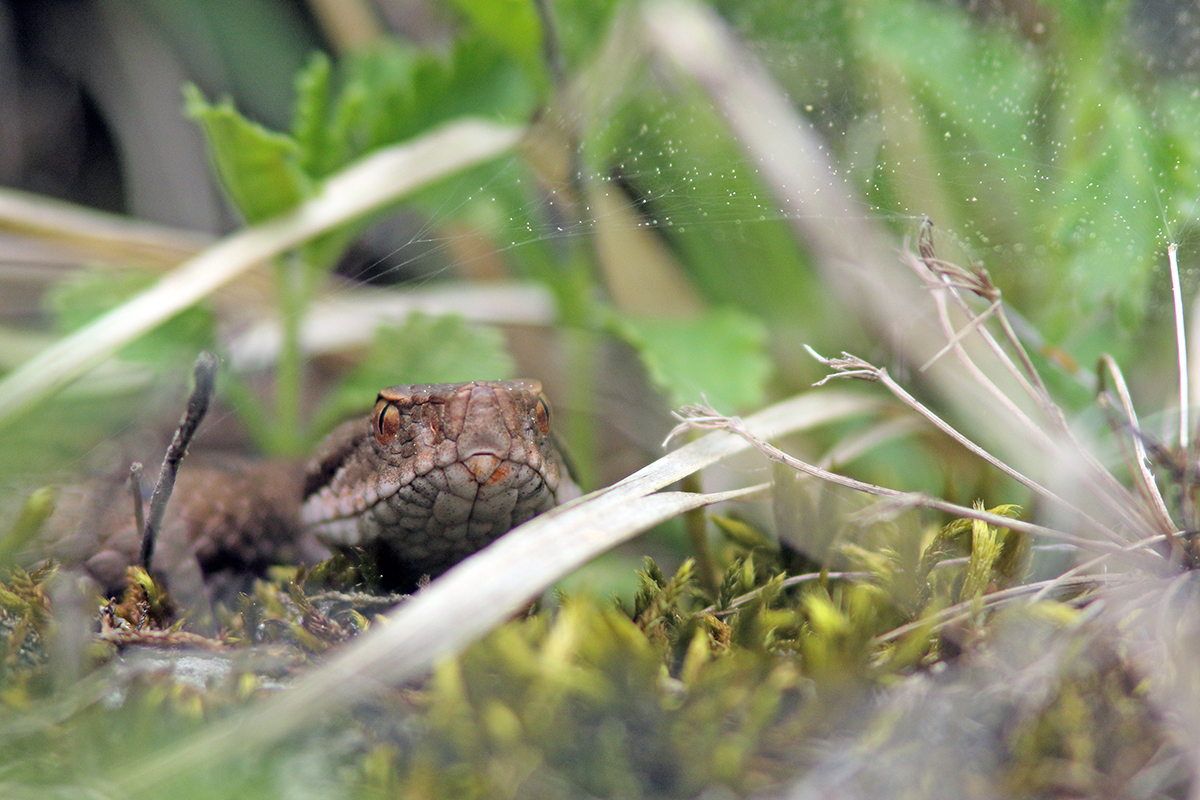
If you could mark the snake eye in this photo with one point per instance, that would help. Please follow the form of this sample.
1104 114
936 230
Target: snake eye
386 421
542 414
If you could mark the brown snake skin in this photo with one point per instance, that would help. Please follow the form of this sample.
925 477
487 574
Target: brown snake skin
433 474
438 472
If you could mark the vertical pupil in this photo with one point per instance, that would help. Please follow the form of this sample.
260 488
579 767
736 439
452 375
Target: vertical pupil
387 422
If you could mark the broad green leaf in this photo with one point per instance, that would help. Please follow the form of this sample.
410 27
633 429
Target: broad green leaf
392 92
719 356
511 25
313 98
976 83
422 350
260 169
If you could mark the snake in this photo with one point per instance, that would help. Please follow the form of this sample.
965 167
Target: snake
436 473
433 474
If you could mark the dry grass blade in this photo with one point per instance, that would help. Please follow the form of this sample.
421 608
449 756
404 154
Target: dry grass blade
1052 585
485 590
949 279
344 318
940 274
1139 463
366 186
1180 346
94 232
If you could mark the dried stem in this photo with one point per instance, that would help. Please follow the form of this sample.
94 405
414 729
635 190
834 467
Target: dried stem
135 491
949 278
966 609
704 417
852 366
1140 463
204 375
1052 585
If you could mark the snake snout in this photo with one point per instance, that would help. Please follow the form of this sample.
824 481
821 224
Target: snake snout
482 466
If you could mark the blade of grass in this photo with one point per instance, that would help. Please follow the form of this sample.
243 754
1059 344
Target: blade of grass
96 233
1140 463
367 185
1180 346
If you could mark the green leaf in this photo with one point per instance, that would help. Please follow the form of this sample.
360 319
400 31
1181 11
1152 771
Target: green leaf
675 163
84 296
260 169
313 99
719 355
422 350
511 25
393 92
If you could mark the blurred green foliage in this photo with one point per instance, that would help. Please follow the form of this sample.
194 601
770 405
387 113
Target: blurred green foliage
1061 172
1061 176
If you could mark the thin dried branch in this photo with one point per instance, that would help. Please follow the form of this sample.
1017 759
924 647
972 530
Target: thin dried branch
160 638
946 275
965 610
707 418
204 375
135 492
978 281
852 366
957 337
1139 462
940 284
948 278
1079 569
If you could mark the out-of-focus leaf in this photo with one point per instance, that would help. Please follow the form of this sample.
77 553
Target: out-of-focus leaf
392 92
260 169
37 509
87 295
422 350
685 176
511 25
309 121
977 82
719 355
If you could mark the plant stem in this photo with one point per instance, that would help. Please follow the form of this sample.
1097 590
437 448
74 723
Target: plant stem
286 437
697 530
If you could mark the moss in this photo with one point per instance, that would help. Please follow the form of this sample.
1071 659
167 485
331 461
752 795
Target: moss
684 691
